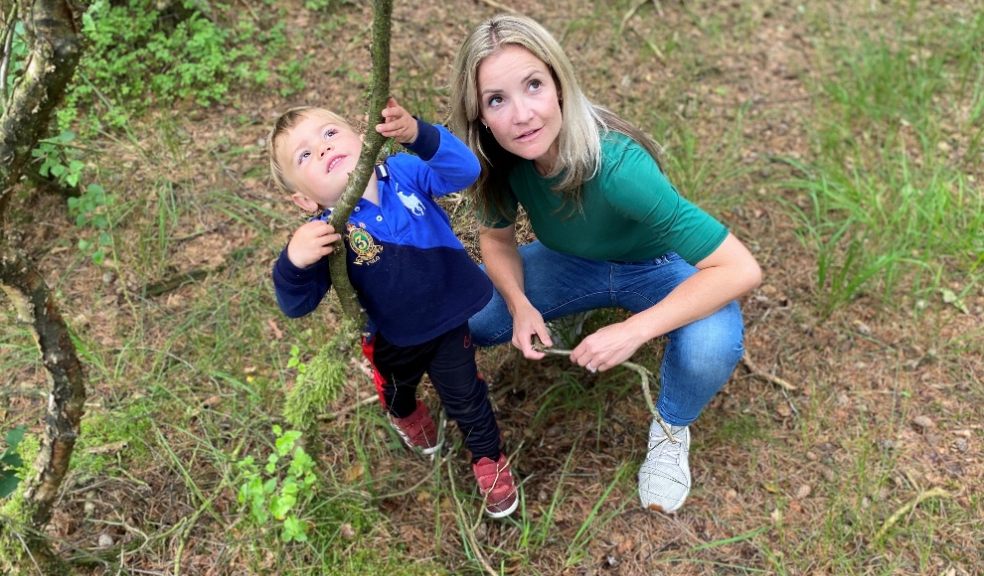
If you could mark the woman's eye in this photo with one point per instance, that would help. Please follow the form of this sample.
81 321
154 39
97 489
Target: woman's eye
495 101
535 85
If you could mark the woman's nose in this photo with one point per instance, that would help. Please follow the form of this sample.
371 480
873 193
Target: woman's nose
521 112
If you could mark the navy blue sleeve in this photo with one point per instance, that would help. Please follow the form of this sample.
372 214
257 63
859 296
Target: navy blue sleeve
300 290
427 142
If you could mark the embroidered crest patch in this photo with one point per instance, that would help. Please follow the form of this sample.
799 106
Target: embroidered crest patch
363 244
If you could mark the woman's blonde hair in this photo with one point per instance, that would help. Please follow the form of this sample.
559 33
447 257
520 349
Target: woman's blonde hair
284 124
583 125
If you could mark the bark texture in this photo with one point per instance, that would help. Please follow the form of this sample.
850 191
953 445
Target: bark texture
371 145
54 48
26 289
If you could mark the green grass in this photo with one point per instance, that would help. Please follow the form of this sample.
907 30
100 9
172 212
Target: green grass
887 204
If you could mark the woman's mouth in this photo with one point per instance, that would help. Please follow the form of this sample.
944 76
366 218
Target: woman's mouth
526 136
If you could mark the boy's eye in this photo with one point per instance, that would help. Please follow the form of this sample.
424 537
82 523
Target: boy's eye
329 133
302 156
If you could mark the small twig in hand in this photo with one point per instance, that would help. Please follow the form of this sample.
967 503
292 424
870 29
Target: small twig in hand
934 493
754 370
644 375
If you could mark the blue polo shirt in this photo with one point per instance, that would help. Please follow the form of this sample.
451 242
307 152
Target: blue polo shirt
411 273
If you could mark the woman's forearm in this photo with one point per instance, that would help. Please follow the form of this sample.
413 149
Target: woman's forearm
500 254
728 273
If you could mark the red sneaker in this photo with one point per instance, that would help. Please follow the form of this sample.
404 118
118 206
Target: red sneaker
495 482
418 430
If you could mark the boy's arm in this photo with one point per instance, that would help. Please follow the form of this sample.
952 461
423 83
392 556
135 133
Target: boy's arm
299 290
451 165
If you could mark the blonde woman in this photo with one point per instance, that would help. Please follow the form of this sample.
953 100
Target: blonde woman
611 231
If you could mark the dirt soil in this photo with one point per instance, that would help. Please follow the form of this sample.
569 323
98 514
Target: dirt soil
904 381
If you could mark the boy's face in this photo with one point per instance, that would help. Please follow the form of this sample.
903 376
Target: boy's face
317 155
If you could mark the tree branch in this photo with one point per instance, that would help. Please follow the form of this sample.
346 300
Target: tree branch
371 145
34 305
53 31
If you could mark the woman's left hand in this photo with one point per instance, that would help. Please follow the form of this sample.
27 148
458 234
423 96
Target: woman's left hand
608 347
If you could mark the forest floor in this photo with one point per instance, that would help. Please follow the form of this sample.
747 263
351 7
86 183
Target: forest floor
885 402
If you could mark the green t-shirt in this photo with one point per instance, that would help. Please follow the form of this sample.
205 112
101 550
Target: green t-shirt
630 211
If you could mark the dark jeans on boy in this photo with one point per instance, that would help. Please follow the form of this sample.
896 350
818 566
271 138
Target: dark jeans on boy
449 360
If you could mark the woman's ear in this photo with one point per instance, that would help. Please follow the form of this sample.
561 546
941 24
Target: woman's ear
304 202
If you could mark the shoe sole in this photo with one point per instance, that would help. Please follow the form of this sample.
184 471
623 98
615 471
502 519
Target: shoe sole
504 513
428 451
408 444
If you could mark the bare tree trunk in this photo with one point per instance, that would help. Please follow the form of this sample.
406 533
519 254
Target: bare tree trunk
371 145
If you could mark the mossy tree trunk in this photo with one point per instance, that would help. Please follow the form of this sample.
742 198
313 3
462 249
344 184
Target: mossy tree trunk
371 145
54 46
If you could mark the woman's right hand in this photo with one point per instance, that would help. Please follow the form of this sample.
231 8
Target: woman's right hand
311 242
527 323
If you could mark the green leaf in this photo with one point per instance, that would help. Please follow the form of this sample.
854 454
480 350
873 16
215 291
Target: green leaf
14 437
286 442
11 460
294 529
8 483
279 507
300 464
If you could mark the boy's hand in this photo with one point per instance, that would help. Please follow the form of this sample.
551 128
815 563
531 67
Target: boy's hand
397 123
311 242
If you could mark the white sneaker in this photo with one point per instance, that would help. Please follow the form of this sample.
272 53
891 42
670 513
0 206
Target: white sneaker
664 479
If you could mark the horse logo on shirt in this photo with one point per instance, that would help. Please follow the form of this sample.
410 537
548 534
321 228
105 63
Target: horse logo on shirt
363 244
411 202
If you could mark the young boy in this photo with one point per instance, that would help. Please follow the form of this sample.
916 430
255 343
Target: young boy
411 273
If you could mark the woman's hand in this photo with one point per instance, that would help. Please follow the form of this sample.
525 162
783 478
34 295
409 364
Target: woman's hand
608 347
527 323
311 242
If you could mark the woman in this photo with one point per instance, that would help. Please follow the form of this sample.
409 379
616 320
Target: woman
611 232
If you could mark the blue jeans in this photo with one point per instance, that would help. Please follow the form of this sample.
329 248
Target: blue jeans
699 357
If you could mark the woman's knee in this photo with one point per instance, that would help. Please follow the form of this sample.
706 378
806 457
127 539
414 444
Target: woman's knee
713 344
488 327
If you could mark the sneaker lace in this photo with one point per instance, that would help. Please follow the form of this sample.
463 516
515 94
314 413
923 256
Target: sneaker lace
669 449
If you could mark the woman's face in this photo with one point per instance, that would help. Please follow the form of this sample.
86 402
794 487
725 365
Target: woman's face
520 104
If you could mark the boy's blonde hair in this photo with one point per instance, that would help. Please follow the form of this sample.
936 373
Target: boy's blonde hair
579 141
284 124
